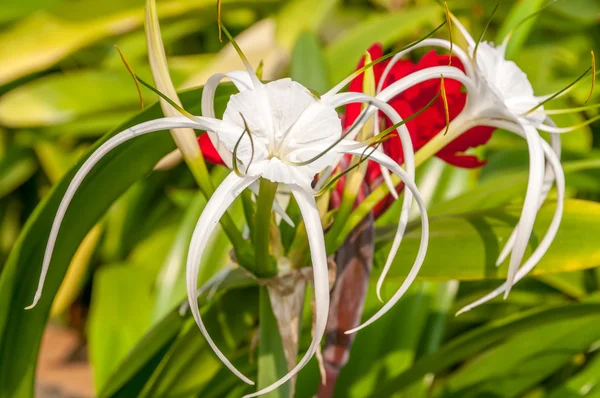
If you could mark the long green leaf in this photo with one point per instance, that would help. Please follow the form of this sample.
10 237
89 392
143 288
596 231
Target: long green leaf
20 330
466 246
471 342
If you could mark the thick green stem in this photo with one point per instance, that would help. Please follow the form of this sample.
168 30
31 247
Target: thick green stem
265 265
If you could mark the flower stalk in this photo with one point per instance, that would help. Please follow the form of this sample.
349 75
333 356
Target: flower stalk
265 264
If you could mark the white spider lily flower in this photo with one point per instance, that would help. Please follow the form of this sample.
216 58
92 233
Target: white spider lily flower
498 91
277 131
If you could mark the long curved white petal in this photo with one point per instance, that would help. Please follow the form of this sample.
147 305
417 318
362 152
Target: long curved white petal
218 204
556 144
550 234
242 81
457 51
464 32
530 205
316 240
407 149
382 158
113 142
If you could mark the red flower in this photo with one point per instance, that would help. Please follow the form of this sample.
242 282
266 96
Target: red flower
425 126
208 150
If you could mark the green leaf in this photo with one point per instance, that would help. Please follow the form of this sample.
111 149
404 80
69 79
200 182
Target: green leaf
272 364
63 98
502 189
110 178
190 363
472 342
44 38
519 12
141 362
525 359
120 313
465 247
16 167
343 54
308 65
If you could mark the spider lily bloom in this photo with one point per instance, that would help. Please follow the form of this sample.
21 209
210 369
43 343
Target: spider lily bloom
279 132
498 95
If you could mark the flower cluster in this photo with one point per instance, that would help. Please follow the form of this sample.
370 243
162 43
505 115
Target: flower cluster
282 133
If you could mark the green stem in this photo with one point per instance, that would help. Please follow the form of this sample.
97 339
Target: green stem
265 265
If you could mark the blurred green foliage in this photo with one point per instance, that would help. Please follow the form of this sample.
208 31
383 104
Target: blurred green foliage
62 87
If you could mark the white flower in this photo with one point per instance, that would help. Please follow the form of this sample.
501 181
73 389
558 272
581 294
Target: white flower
498 95
281 132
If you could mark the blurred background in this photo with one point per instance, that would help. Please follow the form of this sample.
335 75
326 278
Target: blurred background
63 86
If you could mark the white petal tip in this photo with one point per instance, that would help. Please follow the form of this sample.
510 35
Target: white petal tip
379 297
288 221
462 311
394 193
352 331
29 307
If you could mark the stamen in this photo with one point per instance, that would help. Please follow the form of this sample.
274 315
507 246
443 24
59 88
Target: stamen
130 70
335 179
219 25
240 54
550 98
234 161
251 142
163 96
571 110
593 78
446 107
487 25
449 22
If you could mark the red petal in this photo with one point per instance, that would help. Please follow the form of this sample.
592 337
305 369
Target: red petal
208 150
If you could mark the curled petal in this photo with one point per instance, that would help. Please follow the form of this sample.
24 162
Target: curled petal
382 158
242 81
316 240
218 204
88 165
546 241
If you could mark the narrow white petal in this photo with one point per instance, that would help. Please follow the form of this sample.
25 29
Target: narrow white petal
530 206
555 142
218 204
546 240
88 165
457 51
385 160
316 240
408 153
464 32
